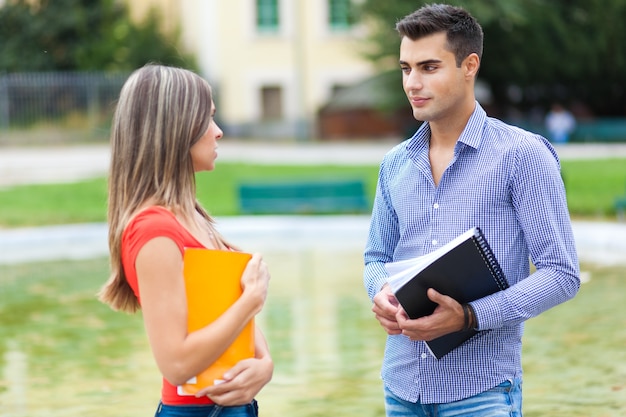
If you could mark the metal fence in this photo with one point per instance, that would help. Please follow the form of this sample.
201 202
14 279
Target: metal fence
29 99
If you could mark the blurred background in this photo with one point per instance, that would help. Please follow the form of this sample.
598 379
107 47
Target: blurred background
303 70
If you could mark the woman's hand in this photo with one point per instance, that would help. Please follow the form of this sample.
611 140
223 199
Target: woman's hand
255 280
241 383
244 380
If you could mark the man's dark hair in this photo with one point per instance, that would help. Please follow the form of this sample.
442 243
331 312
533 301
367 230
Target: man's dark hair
464 34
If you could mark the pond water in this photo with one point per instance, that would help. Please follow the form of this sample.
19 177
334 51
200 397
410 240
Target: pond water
73 357
64 354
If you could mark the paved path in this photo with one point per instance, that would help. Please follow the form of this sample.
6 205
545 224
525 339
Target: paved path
596 241
253 233
58 164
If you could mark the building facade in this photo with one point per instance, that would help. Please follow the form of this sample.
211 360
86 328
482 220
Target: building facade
273 63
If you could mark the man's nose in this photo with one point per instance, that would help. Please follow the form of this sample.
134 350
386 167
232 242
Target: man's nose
413 81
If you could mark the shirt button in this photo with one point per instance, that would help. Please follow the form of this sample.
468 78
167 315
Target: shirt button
434 242
436 205
424 356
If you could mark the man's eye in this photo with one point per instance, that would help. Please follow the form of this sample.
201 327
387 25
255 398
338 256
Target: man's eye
405 70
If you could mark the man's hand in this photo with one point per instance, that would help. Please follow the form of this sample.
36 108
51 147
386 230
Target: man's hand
448 317
385 309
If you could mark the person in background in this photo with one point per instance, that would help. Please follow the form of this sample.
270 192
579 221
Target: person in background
163 132
560 123
463 169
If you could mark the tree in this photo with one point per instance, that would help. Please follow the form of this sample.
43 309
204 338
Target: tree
545 50
568 50
81 35
384 43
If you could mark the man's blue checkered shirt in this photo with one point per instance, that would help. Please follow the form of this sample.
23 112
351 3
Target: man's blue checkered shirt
507 182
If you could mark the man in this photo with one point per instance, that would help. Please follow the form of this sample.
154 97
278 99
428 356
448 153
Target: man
463 169
560 123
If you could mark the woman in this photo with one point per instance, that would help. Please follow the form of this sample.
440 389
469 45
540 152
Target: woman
163 132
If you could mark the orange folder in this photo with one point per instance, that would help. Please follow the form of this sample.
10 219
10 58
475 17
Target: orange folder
213 284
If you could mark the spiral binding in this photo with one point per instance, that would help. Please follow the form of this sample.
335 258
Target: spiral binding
490 259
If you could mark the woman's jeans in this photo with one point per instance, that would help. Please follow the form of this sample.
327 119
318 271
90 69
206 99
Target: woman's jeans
505 400
214 410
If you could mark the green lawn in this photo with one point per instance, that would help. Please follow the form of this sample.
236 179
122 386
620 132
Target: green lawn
85 201
591 188
593 185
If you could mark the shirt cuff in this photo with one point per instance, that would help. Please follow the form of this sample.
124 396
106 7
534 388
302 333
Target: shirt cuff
487 312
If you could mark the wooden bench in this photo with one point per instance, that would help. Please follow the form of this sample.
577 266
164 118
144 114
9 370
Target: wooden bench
609 129
304 197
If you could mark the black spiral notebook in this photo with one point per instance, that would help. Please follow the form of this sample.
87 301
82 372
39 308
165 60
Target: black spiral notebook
464 269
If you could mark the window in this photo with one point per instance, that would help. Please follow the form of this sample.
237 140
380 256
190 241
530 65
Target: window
340 14
271 103
267 15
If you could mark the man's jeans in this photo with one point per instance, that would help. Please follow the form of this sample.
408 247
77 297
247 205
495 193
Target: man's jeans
505 400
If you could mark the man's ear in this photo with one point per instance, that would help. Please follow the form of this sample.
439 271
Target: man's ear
471 64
